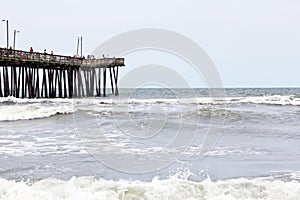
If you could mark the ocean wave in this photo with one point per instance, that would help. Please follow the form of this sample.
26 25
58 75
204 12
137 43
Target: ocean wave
271 100
13 109
16 112
172 188
14 100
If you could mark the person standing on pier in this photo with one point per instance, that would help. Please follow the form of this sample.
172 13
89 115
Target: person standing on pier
10 51
45 54
31 52
52 56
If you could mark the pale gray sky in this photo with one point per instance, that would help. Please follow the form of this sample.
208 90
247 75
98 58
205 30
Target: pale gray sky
252 42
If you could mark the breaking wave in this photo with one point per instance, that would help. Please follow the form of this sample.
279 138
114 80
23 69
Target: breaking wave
172 188
12 109
272 100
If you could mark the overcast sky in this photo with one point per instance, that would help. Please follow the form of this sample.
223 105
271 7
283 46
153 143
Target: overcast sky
253 43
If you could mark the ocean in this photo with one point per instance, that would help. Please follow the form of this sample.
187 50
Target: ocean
153 144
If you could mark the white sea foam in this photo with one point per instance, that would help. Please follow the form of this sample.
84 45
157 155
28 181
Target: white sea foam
13 108
15 100
17 112
226 151
272 100
40 146
172 188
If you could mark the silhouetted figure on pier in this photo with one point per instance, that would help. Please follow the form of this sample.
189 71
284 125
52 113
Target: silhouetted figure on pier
45 54
52 56
10 51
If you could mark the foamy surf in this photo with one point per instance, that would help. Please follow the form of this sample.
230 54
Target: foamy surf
268 100
15 100
12 108
173 188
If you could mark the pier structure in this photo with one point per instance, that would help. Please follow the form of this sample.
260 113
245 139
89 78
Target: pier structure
40 75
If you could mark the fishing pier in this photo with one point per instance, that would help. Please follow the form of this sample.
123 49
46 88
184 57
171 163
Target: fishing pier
40 75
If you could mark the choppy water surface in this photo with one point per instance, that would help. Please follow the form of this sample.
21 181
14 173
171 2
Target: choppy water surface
149 144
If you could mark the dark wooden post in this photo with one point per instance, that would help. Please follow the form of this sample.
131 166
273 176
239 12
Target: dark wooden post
65 84
23 82
60 83
92 80
44 84
99 82
116 80
12 81
104 82
80 87
111 81
75 82
6 82
1 94
70 82
37 85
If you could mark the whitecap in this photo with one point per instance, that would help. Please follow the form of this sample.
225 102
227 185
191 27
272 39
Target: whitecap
172 188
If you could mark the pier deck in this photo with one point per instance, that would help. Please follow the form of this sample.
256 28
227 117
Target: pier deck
39 75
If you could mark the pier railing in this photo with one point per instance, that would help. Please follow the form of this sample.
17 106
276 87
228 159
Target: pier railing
103 62
24 56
